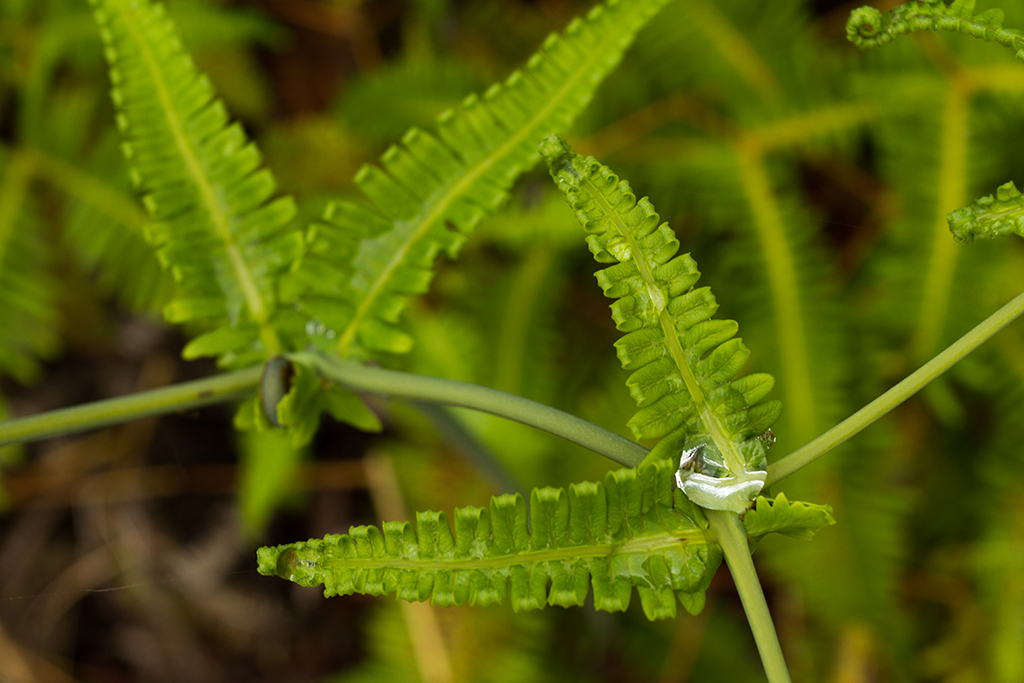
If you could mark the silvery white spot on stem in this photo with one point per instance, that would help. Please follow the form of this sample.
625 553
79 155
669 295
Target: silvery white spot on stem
687 463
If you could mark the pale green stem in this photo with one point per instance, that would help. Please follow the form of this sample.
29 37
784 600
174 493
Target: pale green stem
732 536
353 375
81 418
360 377
898 394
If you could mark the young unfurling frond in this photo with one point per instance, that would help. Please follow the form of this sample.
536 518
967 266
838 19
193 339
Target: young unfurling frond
867 27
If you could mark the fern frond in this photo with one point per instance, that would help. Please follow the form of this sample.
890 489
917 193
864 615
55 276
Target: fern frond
684 363
434 189
990 216
867 27
735 154
28 312
634 530
216 228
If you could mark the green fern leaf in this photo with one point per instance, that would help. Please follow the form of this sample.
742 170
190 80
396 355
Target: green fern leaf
990 217
361 262
217 229
634 530
780 516
28 311
867 27
683 362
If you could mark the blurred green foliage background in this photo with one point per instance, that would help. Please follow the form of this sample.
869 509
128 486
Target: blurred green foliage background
809 181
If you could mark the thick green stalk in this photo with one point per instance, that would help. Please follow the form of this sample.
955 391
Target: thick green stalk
898 394
733 538
357 377
81 418
360 377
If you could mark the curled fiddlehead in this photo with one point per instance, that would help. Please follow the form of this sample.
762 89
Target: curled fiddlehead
867 27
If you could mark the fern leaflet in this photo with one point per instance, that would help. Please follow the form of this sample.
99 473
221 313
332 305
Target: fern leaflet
361 262
216 227
867 27
990 216
634 530
683 362
796 518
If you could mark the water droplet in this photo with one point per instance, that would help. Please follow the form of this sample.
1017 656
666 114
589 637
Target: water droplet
316 328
